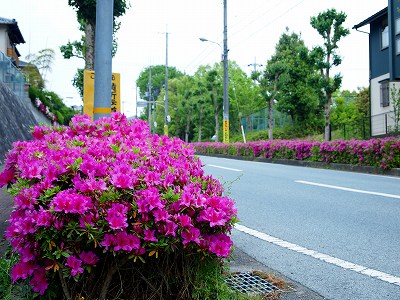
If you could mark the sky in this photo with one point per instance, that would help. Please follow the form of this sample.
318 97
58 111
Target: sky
254 28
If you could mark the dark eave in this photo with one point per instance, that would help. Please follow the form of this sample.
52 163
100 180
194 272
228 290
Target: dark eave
372 18
14 33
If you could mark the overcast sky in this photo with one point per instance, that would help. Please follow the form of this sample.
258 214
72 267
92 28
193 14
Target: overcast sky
254 28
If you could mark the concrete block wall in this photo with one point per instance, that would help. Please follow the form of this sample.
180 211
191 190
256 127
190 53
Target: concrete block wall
16 118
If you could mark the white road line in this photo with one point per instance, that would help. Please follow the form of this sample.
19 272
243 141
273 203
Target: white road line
225 168
381 176
349 189
324 257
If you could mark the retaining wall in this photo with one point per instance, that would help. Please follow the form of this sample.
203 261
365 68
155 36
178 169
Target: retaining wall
16 118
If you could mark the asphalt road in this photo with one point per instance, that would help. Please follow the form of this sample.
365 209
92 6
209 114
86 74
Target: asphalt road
335 232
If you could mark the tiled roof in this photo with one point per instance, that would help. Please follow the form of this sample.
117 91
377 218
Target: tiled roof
7 21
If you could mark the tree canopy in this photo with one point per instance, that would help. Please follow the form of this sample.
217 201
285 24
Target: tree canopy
329 25
85 47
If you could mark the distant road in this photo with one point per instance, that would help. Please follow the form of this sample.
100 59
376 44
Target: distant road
335 232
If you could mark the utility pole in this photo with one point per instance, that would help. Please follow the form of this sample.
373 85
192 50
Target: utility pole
103 58
149 99
255 64
166 117
226 99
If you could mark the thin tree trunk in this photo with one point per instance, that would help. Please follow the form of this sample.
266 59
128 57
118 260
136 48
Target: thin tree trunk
200 122
327 112
187 128
271 109
270 120
90 30
64 285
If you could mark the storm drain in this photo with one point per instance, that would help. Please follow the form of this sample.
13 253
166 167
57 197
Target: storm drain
249 284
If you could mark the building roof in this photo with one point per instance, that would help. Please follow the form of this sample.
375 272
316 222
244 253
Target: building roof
13 30
372 18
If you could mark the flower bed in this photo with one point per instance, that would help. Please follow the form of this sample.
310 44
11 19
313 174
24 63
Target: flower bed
95 196
380 153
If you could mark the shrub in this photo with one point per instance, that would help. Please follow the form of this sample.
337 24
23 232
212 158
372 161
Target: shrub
99 199
380 153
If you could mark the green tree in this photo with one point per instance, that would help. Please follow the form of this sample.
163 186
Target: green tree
287 81
38 65
329 25
362 102
344 109
204 111
395 99
270 84
244 96
84 48
157 80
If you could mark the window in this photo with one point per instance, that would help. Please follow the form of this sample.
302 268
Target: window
398 45
397 33
384 34
385 93
397 26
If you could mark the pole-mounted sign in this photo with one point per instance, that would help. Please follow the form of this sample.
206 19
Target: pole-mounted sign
88 95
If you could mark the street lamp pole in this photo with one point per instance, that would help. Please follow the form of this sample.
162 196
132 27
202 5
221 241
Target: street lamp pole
103 59
225 62
166 86
226 98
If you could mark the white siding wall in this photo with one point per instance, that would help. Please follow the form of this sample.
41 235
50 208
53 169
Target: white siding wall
380 119
3 39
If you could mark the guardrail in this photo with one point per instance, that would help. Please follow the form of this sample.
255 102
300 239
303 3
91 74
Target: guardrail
11 76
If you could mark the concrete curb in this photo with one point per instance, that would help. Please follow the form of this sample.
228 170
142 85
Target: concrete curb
313 164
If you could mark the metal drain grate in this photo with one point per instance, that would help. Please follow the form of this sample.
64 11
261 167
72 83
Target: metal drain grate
249 284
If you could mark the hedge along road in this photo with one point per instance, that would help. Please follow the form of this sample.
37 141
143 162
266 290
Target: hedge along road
335 232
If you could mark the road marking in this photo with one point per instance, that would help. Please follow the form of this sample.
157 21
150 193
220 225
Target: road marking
324 257
349 189
381 176
225 168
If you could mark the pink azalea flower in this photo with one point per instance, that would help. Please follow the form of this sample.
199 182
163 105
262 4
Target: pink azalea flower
88 257
44 218
220 245
71 202
122 180
191 235
22 270
185 220
171 228
39 281
215 217
149 235
75 264
160 215
6 176
116 216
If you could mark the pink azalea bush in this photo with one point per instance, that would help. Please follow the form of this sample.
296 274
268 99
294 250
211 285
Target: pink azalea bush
381 153
108 187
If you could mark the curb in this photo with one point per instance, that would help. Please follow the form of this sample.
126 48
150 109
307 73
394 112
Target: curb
311 164
241 262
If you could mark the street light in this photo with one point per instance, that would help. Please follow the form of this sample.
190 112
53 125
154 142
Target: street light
226 100
206 40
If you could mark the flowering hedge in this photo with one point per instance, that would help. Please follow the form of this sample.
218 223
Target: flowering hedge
45 110
381 153
108 187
